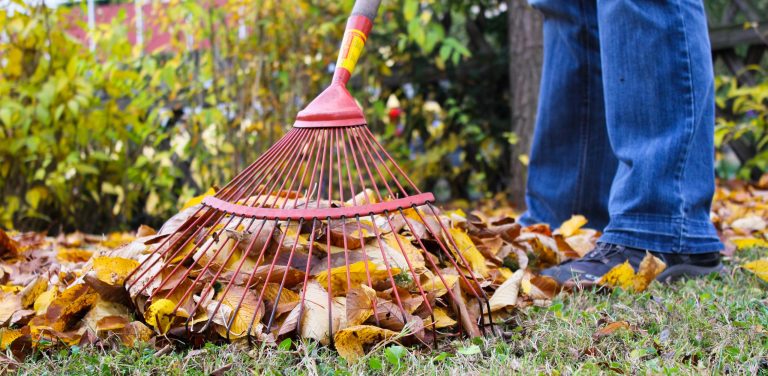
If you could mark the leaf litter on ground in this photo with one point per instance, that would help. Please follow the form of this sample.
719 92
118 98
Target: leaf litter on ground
68 290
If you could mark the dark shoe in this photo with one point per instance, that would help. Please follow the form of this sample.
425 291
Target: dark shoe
604 257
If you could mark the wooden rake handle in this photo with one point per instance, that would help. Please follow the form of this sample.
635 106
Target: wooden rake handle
359 26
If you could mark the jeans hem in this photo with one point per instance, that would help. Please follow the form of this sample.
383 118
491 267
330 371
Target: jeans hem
662 234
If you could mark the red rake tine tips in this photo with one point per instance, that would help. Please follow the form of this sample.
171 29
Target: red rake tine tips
326 197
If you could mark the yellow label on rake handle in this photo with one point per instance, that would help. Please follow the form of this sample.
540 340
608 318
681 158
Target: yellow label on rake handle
351 48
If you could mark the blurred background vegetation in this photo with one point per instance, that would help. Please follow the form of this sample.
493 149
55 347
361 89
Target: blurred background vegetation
108 132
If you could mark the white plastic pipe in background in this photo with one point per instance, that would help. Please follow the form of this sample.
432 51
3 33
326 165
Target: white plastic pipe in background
139 18
91 24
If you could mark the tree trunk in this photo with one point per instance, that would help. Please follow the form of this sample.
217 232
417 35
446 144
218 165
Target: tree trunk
525 55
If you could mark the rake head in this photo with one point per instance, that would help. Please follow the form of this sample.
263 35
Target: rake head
323 231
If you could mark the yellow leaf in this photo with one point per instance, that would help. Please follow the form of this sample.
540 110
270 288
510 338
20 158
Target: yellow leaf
436 286
198 199
10 288
7 336
158 315
624 275
117 239
442 320
43 301
357 276
650 267
759 267
469 251
247 313
33 290
350 341
619 276
572 226
113 270
505 273
73 255
744 243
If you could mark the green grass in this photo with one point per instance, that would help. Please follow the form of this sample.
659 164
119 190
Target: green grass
713 325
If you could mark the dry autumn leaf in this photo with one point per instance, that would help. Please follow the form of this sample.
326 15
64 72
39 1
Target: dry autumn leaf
610 329
759 268
353 275
624 275
572 226
360 304
350 341
469 252
113 270
506 295
315 321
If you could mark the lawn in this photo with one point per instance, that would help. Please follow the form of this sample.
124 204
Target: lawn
714 325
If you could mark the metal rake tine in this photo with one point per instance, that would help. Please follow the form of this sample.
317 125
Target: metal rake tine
472 274
293 162
177 254
261 255
389 157
449 256
247 174
211 232
330 279
285 276
389 270
208 288
170 237
357 220
306 275
410 267
429 258
375 153
239 266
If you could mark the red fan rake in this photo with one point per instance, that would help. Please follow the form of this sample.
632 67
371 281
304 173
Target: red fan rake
326 203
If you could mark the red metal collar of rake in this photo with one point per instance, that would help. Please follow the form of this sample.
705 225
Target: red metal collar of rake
335 107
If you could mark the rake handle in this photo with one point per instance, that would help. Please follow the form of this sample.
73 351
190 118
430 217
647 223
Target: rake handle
359 25
367 8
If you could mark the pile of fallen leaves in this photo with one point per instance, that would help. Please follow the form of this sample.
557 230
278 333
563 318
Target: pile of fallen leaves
69 290
740 213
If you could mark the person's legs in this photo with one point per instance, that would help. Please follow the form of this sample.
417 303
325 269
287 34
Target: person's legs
659 94
659 100
571 163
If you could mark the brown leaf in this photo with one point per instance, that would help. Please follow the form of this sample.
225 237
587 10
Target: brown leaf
9 304
32 291
315 319
469 323
360 304
610 329
8 246
65 311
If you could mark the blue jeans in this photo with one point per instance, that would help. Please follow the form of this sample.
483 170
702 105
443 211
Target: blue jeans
624 133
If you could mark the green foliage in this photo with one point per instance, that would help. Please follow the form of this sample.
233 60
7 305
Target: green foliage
744 121
116 137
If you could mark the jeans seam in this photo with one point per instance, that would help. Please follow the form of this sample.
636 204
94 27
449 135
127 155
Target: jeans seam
584 125
688 126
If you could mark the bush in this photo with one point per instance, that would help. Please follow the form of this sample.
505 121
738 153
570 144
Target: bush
743 123
110 138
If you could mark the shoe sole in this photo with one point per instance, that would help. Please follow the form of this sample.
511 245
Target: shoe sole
676 272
